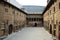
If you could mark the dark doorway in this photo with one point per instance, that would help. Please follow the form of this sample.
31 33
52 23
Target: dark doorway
50 29
54 32
59 36
35 24
59 32
10 28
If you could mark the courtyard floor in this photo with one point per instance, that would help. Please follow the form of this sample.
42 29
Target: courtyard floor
30 33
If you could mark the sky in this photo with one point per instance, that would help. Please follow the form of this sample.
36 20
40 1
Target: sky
33 2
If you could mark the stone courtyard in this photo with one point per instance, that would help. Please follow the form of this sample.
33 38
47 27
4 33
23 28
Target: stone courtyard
30 33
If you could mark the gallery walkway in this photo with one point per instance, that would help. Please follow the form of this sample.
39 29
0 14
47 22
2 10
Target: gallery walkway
30 33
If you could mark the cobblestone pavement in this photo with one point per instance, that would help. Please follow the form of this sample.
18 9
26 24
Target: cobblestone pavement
30 33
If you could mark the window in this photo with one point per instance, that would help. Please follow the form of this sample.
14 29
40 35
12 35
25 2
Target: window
37 19
12 7
59 27
20 14
13 12
50 11
59 22
29 19
54 26
6 10
59 5
40 19
34 19
54 9
17 13
4 4
56 22
54 32
9 6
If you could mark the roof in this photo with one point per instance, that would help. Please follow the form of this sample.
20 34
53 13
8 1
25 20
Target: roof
31 9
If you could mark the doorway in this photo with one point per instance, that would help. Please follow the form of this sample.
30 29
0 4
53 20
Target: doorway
59 32
59 36
50 29
10 28
35 25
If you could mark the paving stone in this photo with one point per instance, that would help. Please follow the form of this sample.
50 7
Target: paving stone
31 33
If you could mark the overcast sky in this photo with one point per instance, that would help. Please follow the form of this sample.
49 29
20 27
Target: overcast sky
33 2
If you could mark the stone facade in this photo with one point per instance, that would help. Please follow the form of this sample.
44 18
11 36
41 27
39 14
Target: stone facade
11 18
34 15
51 17
33 19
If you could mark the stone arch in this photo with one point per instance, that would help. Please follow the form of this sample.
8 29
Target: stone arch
50 29
10 28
